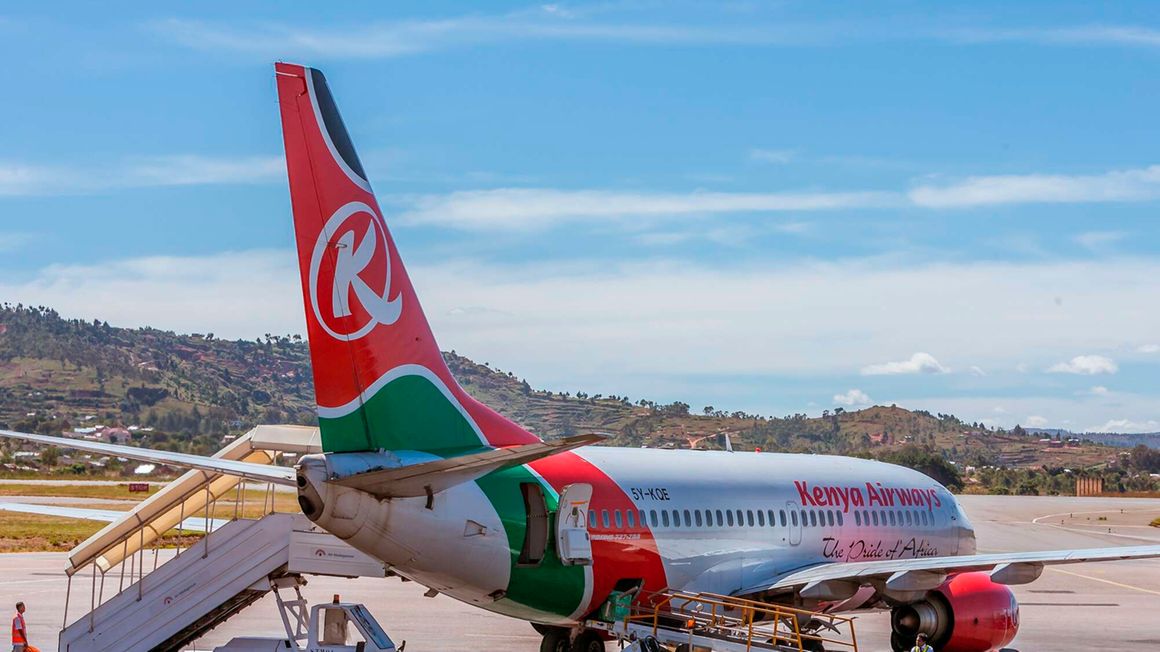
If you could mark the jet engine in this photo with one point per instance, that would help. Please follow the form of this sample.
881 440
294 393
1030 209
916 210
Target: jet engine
966 613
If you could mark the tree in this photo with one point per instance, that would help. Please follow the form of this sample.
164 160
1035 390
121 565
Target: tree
50 456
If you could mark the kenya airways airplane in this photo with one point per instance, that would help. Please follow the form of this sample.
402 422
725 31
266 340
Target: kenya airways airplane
456 497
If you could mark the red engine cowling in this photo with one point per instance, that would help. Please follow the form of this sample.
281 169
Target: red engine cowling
967 613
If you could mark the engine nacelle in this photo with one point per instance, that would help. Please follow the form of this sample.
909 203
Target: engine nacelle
967 613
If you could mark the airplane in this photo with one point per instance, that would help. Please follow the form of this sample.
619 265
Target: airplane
456 497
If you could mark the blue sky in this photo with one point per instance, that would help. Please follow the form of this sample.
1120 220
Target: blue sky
774 207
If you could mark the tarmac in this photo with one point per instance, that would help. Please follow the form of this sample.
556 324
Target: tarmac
1075 607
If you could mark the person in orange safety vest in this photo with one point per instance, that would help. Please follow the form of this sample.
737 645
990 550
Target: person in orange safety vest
20 632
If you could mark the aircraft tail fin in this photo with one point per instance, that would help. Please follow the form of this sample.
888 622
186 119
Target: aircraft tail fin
380 379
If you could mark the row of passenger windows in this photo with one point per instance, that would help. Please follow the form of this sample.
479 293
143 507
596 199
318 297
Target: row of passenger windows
629 519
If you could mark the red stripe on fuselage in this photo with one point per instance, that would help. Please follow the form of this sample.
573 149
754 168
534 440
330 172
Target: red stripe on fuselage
618 553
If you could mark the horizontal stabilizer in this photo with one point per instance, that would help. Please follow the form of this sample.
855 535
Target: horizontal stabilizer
248 470
432 477
191 524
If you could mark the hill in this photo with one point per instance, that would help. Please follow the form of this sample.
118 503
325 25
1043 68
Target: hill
188 391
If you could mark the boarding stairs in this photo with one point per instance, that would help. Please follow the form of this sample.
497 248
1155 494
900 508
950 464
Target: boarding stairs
705 621
166 598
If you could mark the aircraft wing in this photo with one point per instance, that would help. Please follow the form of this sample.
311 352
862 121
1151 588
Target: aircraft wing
414 480
927 573
250 471
193 523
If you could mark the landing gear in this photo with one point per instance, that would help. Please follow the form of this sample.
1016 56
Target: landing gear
559 639
588 641
556 640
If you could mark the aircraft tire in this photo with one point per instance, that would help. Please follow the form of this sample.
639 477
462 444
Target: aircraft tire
588 641
556 640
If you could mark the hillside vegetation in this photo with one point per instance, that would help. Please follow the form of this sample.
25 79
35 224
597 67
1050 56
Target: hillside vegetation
188 391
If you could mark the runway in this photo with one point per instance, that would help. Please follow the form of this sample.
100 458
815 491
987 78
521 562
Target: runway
1077 607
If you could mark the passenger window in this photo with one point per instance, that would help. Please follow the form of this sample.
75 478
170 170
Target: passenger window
642 521
721 519
781 514
604 518
676 518
908 517
892 518
652 517
740 518
729 515
830 517
925 519
760 518
839 519
664 518
619 522
813 519
805 518
793 517
631 516
749 517
875 516
709 517
688 519
772 519
858 519
592 518
697 513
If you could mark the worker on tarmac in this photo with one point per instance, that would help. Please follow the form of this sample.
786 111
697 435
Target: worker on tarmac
920 644
20 632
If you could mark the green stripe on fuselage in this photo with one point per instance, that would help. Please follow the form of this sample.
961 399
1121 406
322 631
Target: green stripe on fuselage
550 587
411 413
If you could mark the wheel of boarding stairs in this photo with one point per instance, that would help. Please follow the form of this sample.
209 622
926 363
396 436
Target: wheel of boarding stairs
556 640
588 641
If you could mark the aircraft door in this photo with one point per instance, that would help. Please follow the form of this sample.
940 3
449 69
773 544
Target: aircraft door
572 542
793 522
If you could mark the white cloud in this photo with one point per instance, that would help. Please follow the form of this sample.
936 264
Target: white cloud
852 398
1148 348
538 208
623 322
1141 184
1099 240
1088 365
977 371
14 240
1099 390
776 156
1118 35
1035 421
380 40
232 294
919 363
1128 425
18 179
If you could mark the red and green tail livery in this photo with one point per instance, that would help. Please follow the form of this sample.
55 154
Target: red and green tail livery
380 380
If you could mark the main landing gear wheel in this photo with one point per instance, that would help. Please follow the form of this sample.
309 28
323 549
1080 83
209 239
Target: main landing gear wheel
556 640
588 641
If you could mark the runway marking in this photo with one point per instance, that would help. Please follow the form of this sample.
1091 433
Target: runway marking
1038 521
1100 579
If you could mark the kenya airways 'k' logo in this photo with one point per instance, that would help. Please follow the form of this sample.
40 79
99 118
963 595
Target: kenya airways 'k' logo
350 274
